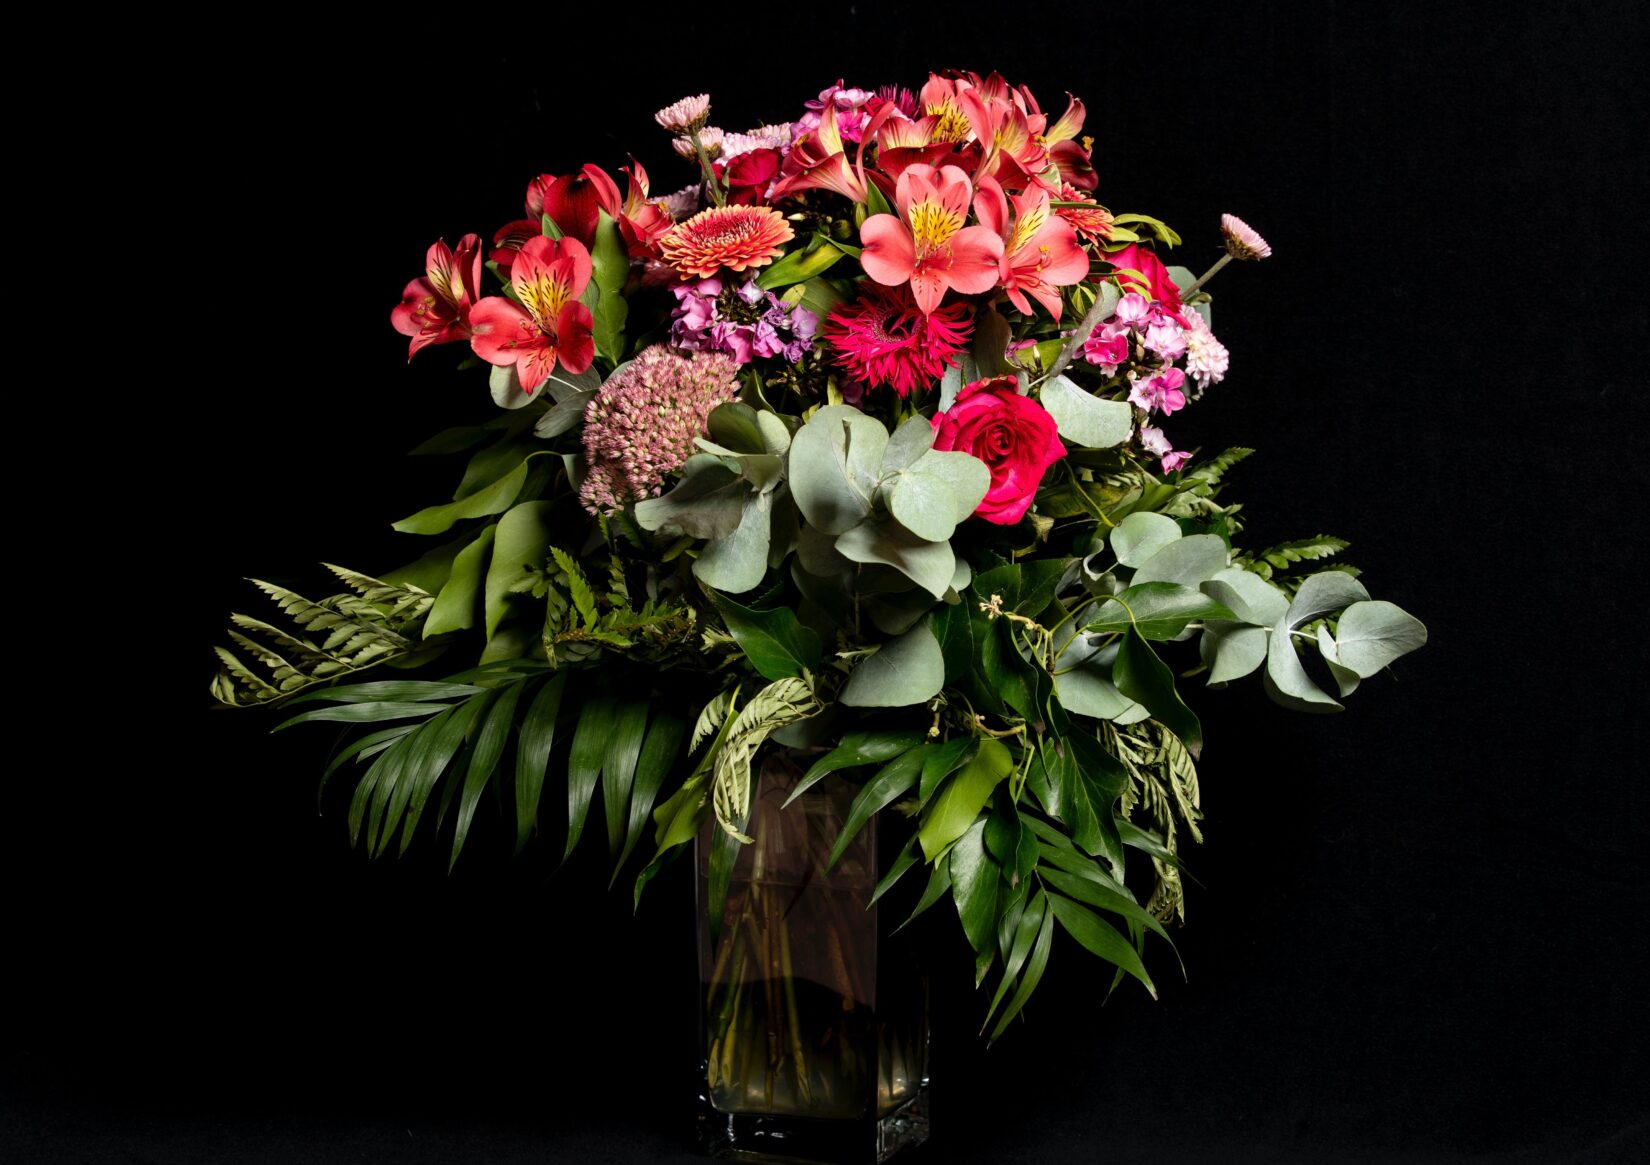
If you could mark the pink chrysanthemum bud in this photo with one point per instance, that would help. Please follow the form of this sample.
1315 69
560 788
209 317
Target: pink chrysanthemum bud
1242 240
710 138
686 115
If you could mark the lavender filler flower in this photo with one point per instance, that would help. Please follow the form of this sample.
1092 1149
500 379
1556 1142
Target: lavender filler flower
640 425
743 321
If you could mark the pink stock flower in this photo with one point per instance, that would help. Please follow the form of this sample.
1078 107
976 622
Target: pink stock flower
1160 393
1242 240
1040 251
640 425
1107 346
1012 434
927 244
1132 310
883 339
550 326
1164 335
436 308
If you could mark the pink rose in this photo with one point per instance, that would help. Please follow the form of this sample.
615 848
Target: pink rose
1141 259
1012 434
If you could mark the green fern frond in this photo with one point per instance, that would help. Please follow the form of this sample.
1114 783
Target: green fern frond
578 587
1284 554
711 718
325 639
1212 470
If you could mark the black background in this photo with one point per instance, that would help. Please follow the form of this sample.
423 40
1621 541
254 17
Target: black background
1420 934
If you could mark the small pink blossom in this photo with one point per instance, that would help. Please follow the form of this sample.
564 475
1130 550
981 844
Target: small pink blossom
1107 346
1206 357
1161 393
1133 310
1155 443
710 138
1165 336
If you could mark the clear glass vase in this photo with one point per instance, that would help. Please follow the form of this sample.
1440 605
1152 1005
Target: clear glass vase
814 1020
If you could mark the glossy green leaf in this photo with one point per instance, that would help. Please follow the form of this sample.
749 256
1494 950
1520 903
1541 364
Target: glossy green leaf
939 882
1157 610
429 571
538 733
484 758
961 798
953 627
942 761
975 878
1088 691
1085 420
775 642
904 671
584 763
624 747
1147 680
380 691
455 607
426 768
897 869
1035 965
493 499
1026 929
1100 938
519 549
857 748
367 746
891 782
1092 892
369 712
799 266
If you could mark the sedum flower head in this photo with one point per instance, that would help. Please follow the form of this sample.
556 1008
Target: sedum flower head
640 425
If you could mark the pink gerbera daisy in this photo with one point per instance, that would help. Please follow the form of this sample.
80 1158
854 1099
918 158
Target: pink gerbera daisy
883 338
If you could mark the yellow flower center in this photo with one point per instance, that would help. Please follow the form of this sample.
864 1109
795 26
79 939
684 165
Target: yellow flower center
932 225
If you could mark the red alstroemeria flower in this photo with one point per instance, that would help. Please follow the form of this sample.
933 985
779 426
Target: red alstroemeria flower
927 245
550 326
436 308
1008 136
1069 156
819 159
642 221
1040 250
939 101
903 142
571 200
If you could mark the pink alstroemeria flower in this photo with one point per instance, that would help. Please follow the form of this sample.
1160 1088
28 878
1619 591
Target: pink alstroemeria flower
1040 251
1010 138
550 326
927 244
436 308
643 219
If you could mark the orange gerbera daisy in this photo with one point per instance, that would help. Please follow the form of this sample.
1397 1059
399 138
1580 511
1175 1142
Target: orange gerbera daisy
734 237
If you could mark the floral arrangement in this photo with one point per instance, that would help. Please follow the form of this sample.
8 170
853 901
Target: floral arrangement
858 443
